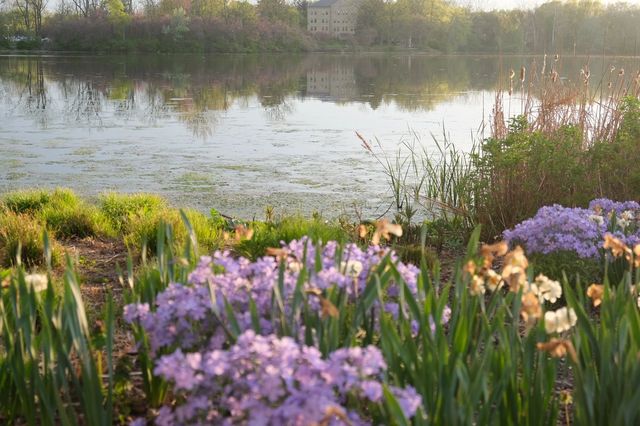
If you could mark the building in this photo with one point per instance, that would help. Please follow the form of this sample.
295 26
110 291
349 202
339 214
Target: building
337 18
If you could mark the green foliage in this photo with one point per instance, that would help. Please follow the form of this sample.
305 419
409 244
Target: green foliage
527 170
51 371
555 265
271 234
606 385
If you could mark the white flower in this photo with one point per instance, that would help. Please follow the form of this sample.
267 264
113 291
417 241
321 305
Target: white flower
351 268
39 282
295 267
623 223
627 215
494 280
558 321
595 218
547 289
476 287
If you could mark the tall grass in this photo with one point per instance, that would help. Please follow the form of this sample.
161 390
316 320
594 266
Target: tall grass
52 367
554 139
436 187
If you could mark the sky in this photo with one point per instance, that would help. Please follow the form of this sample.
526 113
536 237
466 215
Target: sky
521 4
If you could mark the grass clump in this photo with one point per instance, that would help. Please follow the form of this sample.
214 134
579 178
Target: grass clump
22 233
143 226
121 209
271 234
61 211
27 201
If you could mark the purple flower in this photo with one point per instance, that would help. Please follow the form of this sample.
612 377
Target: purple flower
556 228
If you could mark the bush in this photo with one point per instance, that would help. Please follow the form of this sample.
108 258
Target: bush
527 170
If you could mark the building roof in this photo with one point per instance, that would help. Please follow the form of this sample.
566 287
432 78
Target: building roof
323 3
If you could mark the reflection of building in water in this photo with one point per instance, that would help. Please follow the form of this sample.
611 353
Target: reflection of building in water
337 82
335 17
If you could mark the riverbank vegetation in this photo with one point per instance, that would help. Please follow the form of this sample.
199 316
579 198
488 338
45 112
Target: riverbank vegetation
273 25
352 328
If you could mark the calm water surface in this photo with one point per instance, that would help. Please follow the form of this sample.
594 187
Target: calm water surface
236 133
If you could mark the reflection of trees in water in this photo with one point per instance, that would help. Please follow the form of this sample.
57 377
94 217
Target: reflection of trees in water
196 90
30 93
83 102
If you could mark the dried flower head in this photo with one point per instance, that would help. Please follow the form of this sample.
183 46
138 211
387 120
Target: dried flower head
531 309
514 272
558 348
617 247
490 251
476 286
385 229
596 292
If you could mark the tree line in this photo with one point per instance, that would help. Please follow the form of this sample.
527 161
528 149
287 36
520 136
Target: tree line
563 27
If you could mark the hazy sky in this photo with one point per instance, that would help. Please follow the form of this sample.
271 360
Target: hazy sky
510 4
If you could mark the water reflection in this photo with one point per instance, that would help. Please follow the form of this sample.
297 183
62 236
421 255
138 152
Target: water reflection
196 90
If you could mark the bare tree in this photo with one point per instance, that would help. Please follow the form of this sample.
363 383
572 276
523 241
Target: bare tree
37 9
24 8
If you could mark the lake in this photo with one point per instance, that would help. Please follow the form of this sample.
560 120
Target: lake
239 133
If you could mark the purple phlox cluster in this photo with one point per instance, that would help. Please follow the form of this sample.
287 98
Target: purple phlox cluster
266 380
184 316
606 206
557 228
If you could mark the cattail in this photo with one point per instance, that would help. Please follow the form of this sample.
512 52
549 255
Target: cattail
621 72
612 69
555 58
554 76
609 85
512 74
523 74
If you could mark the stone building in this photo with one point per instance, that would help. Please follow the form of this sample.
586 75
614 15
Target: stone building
337 18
